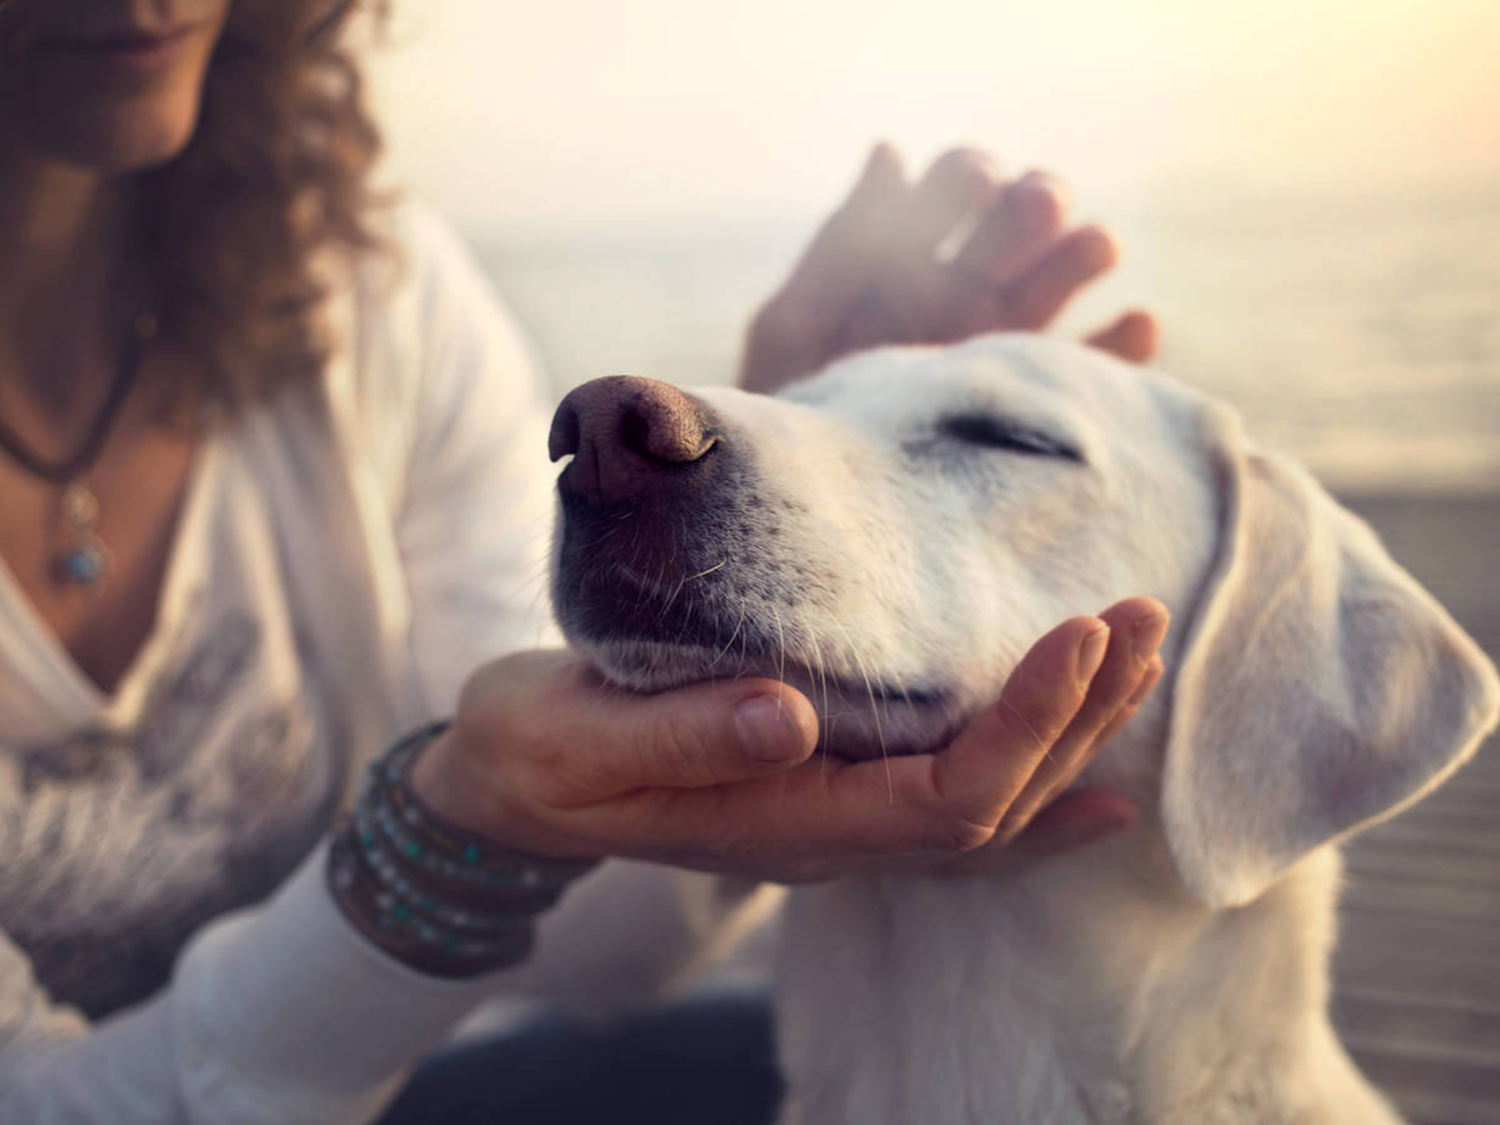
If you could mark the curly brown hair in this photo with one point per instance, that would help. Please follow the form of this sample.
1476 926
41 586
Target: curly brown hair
276 174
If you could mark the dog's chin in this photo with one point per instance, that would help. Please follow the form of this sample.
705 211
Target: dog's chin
857 721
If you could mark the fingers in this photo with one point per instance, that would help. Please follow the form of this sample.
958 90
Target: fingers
1132 337
953 800
872 275
817 818
1022 256
838 264
1149 680
716 774
908 301
995 756
991 789
707 734
1072 821
959 183
1013 232
1067 266
797 330
1137 627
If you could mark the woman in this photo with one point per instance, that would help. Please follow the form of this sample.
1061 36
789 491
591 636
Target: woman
270 488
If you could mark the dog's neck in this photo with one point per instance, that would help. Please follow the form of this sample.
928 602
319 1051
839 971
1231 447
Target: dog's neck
1092 987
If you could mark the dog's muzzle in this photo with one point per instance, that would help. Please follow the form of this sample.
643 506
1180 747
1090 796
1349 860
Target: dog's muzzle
654 493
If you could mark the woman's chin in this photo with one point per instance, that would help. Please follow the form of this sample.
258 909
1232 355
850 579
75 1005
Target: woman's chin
106 113
126 139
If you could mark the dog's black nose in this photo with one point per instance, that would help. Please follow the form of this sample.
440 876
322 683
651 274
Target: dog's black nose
629 437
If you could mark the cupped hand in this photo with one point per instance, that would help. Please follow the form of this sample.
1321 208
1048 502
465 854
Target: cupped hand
883 270
545 758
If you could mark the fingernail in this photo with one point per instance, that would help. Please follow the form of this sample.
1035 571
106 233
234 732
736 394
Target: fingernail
1091 655
766 729
1147 634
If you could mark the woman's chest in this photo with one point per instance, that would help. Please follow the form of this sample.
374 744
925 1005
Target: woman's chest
130 819
123 841
120 522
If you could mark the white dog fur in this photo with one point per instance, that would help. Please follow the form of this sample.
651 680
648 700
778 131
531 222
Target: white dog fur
1177 975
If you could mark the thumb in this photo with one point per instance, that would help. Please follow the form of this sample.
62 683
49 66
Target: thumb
706 734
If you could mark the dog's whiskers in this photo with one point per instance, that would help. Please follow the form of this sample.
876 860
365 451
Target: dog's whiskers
536 580
535 583
730 642
859 663
744 648
705 573
780 656
687 619
660 581
820 674
672 598
684 581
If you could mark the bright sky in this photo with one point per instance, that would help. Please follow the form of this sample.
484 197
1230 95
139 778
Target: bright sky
603 109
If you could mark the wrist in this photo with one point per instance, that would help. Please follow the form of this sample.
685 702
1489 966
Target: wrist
440 780
431 894
453 785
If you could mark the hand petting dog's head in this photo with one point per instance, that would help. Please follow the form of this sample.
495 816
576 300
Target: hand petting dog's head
890 536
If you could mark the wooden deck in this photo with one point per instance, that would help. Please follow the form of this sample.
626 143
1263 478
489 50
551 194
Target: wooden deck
1417 974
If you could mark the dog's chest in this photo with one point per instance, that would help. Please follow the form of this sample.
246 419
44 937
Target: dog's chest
1077 990
941 1002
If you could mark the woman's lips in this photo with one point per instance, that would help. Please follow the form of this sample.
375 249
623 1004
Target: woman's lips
131 50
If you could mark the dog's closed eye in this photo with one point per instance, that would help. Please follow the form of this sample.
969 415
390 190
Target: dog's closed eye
994 432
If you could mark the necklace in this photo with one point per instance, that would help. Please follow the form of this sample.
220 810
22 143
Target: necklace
84 560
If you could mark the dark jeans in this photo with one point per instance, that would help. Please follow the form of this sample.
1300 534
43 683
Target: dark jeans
707 1062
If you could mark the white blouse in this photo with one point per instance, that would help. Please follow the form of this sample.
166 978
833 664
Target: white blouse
345 557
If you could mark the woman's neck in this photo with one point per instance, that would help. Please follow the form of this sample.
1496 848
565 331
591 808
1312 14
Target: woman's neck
61 234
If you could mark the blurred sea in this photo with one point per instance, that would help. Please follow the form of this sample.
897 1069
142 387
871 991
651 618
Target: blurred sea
1360 334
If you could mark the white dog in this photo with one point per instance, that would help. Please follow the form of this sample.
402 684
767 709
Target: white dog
890 537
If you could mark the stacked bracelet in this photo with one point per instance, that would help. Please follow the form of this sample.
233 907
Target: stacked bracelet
441 899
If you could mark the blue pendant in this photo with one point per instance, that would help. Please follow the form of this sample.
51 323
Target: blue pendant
84 565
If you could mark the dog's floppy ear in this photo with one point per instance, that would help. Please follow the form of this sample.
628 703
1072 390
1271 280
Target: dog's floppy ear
1320 688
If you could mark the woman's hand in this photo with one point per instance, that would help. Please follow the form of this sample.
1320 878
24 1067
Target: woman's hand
874 273
544 758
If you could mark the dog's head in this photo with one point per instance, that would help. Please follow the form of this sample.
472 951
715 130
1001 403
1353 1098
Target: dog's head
890 536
